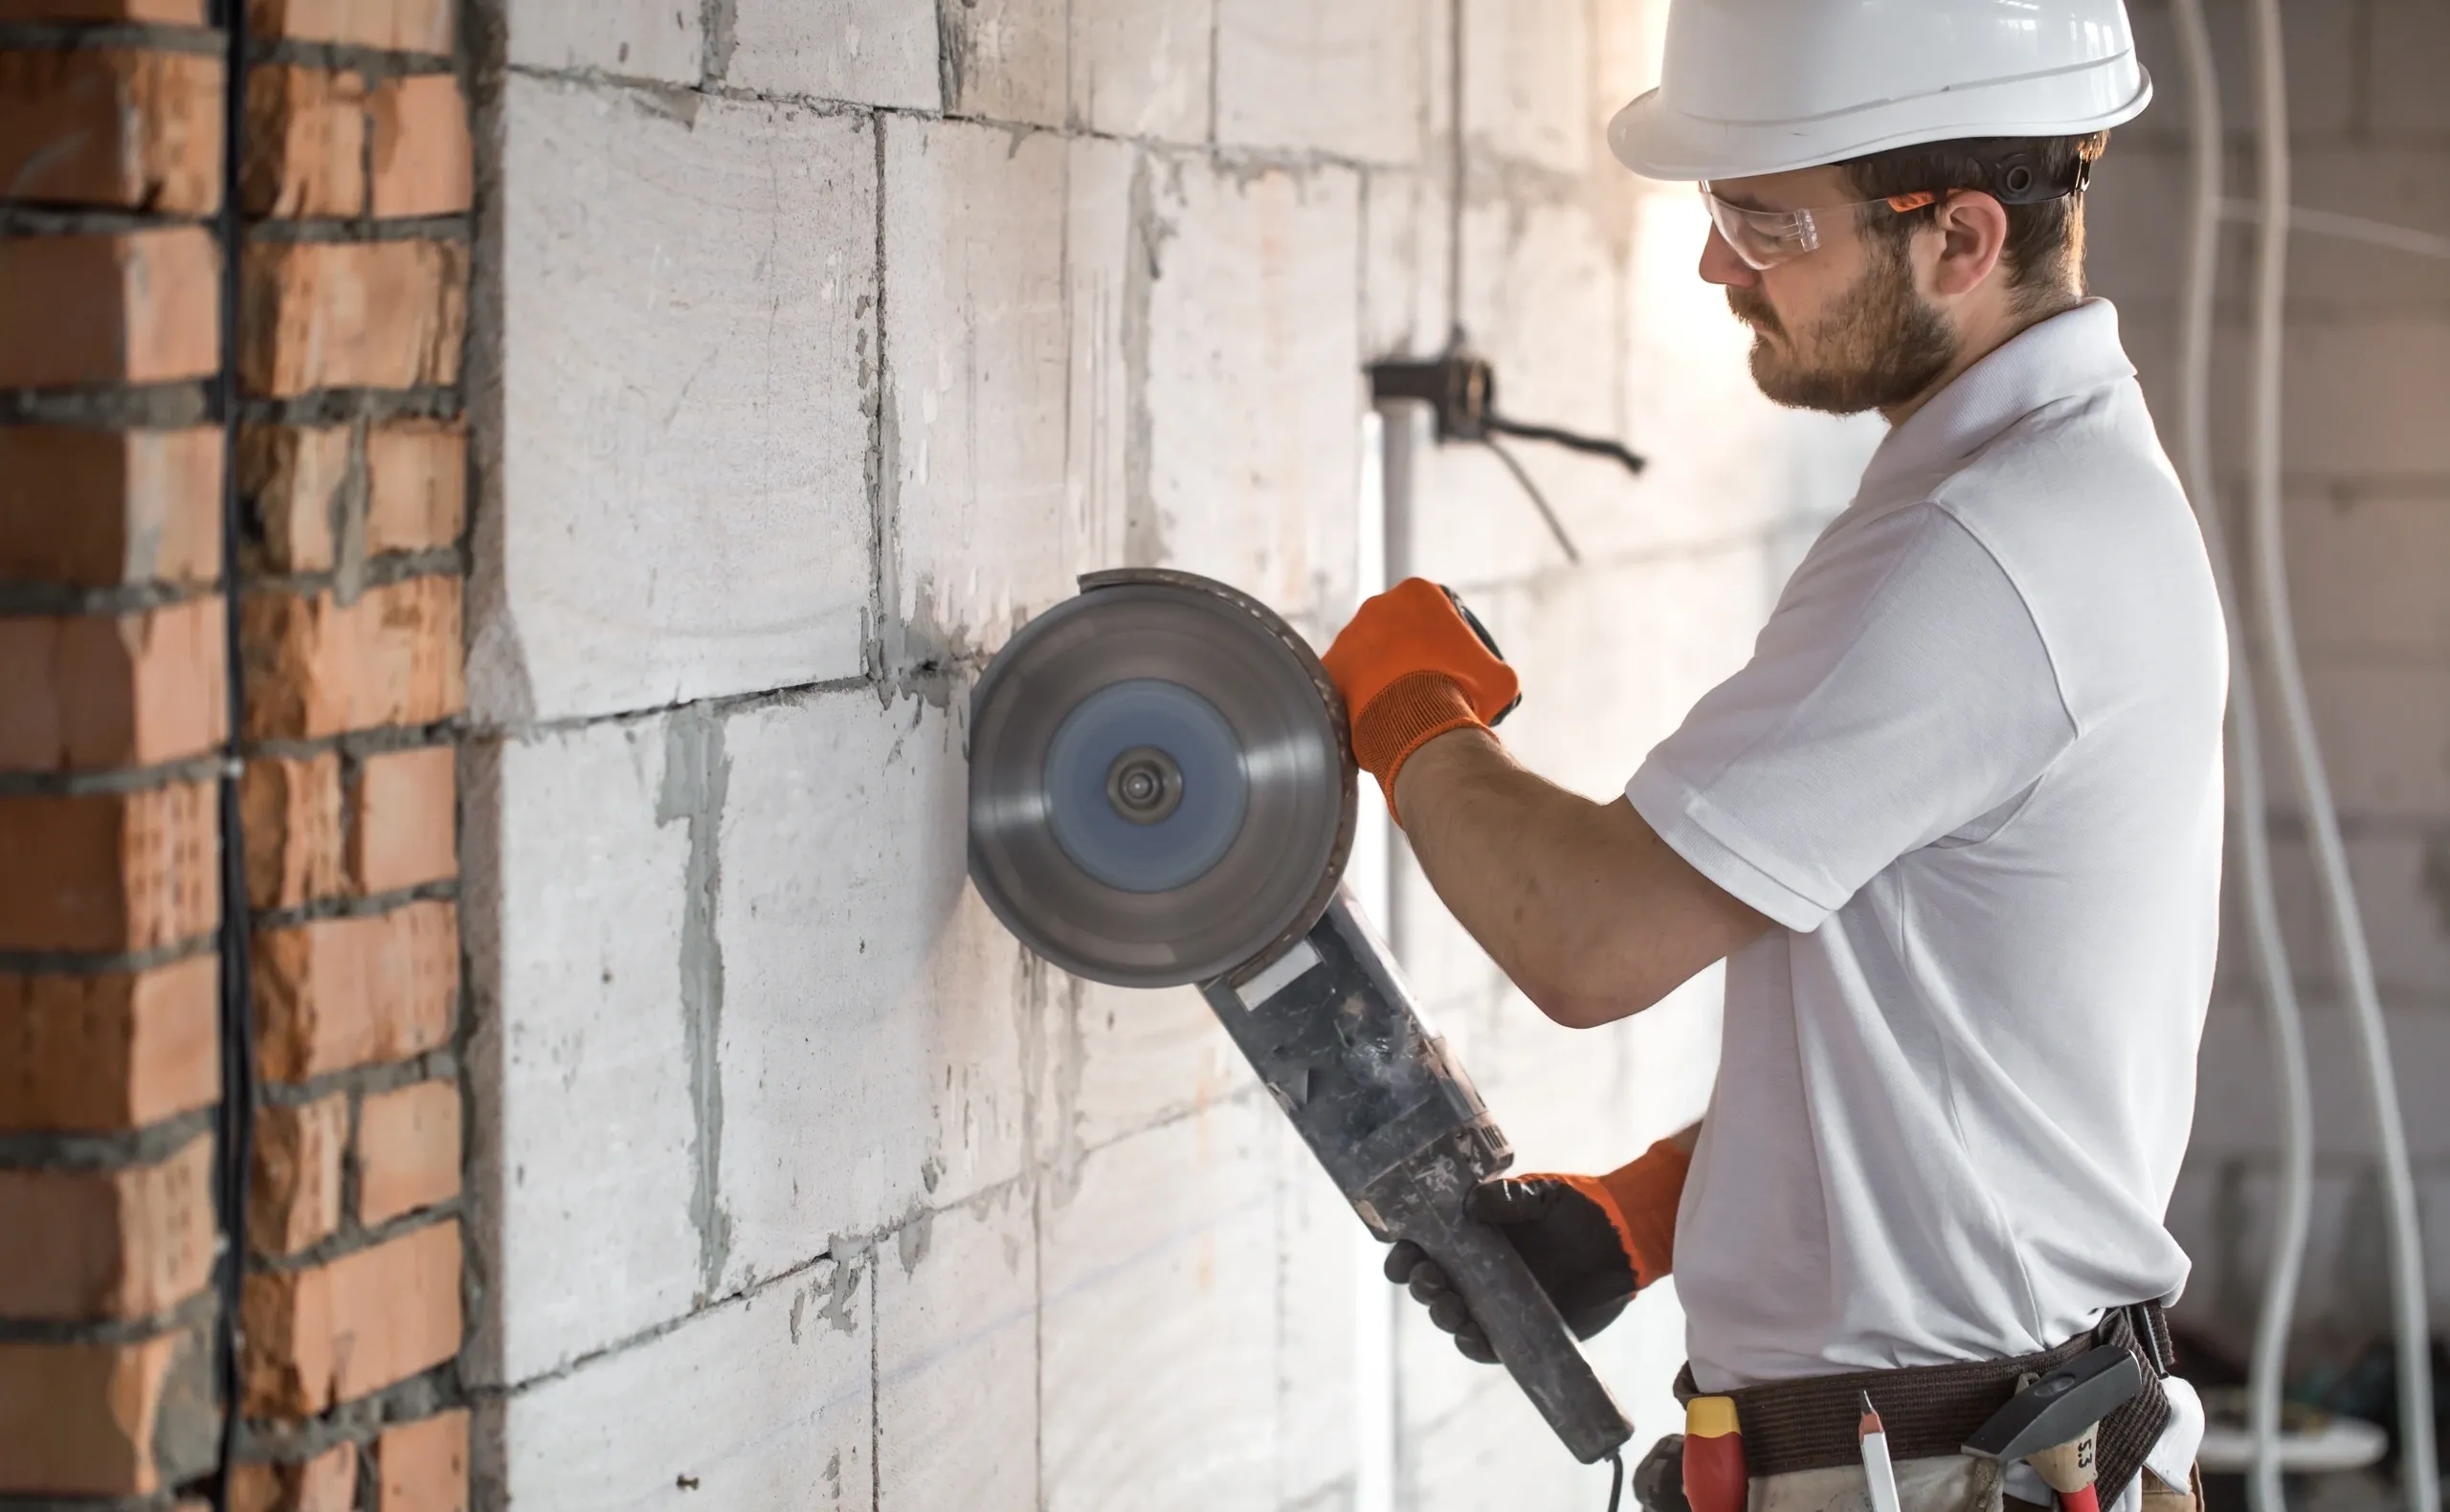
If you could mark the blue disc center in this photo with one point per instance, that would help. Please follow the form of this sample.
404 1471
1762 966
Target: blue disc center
1117 848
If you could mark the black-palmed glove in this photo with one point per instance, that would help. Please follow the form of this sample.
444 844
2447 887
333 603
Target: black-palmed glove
1590 1241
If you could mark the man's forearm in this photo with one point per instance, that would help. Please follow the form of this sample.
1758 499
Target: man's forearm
1580 904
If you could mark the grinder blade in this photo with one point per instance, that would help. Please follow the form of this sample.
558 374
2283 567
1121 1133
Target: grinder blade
1160 786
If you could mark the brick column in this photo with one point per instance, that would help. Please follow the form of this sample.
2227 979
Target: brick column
352 463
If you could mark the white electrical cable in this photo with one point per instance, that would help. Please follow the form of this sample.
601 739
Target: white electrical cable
2419 1481
2267 1371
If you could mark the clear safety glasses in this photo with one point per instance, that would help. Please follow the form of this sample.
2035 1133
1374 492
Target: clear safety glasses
1764 239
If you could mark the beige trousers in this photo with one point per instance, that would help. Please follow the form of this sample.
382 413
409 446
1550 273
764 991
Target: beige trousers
1943 1483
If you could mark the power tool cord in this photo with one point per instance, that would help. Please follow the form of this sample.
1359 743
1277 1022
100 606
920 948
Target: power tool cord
1617 1480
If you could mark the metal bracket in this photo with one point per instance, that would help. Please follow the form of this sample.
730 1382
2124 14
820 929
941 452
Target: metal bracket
1460 388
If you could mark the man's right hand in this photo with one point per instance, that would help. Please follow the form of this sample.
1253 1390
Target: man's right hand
1590 1241
1565 1236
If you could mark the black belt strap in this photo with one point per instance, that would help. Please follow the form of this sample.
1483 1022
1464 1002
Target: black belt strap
1931 1410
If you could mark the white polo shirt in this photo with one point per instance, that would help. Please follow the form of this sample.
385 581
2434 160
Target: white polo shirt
1972 772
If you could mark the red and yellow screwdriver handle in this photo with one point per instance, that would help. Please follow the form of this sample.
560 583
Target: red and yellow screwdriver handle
1715 1478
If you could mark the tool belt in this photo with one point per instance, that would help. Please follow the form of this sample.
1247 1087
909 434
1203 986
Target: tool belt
1931 1410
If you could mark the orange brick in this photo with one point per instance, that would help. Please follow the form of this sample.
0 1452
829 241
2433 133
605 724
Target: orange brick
352 315
401 26
417 485
291 809
97 508
80 1246
295 479
423 1466
423 162
306 143
339 992
294 1191
109 1051
165 12
106 1420
112 126
403 832
316 667
140 306
92 691
324 1484
407 1150
337 1331
119 871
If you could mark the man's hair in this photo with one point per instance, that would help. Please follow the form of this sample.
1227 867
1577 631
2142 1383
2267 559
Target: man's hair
2045 249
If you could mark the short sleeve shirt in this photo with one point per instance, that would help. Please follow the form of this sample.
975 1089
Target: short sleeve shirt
1973 773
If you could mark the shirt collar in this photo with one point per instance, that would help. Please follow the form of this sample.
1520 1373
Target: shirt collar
2071 353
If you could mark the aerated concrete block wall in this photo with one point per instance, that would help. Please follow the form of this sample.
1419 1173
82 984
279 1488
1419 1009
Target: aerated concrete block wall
2366 465
828 341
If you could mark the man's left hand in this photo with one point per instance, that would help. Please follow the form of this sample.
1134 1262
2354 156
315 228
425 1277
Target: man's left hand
1412 665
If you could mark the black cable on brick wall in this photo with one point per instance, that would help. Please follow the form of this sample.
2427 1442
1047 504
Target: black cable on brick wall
236 1143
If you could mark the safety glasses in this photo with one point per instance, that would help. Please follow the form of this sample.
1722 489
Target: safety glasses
1764 239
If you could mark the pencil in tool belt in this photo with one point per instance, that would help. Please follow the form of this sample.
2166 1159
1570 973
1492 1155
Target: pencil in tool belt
1878 1472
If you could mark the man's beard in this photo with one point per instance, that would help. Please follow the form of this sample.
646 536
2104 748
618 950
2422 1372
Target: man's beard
1879 345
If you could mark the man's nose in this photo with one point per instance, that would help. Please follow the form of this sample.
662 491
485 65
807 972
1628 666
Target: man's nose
1719 265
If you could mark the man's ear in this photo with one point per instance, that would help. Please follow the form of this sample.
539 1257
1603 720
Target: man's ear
1973 228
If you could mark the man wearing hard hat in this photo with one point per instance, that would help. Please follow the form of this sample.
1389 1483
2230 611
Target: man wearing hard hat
1955 828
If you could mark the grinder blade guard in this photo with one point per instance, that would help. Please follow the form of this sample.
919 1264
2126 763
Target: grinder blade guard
1162 792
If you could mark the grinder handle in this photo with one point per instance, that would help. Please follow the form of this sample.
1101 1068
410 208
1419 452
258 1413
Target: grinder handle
1525 1329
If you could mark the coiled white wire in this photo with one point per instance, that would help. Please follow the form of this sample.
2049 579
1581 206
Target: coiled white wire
2267 1371
2419 1481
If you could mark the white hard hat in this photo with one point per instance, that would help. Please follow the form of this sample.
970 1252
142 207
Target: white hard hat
1760 86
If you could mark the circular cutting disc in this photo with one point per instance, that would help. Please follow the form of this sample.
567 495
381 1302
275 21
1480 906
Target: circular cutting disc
1159 783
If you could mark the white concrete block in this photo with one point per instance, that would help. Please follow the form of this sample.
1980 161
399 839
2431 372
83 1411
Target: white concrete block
1119 1060
2410 38
871 1018
2397 872
2385 731
957 1359
1158 1365
586 1130
1348 81
1494 1453
760 1403
658 39
1003 403
1006 59
1404 291
1626 44
2363 397
863 52
1253 387
2318 41
2365 575
690 358
1318 1296
1527 85
1140 68
2236 1104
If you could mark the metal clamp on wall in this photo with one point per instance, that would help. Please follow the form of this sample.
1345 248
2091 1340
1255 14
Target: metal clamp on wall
1460 388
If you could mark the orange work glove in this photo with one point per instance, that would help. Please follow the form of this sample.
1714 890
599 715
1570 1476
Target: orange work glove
1412 665
1590 1242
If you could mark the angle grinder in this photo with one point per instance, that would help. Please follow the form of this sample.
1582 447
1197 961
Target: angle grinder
1162 792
